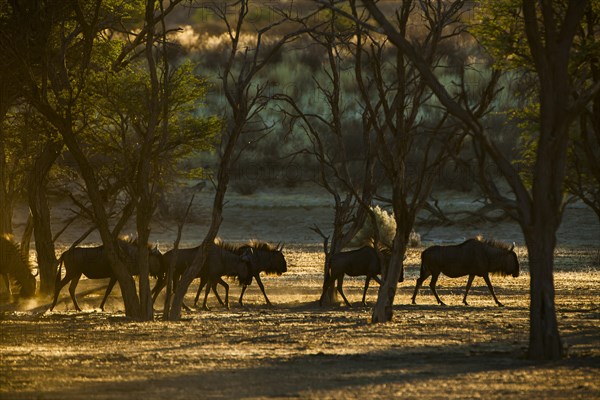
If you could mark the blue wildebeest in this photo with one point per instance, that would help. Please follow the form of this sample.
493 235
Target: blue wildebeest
15 265
265 258
473 257
93 263
363 261
222 261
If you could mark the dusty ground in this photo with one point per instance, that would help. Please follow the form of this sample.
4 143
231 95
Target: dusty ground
296 348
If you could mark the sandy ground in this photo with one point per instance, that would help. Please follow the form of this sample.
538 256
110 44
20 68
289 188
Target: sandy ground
296 348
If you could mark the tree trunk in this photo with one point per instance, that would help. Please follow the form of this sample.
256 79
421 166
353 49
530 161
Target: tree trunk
147 309
194 269
40 212
6 204
126 282
6 214
544 338
217 217
383 311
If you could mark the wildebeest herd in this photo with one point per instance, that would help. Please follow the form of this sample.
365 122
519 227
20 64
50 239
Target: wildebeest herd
474 257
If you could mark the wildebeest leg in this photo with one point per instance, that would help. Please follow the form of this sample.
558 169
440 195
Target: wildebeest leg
200 287
262 288
420 280
341 291
434 278
198 292
242 295
469 282
161 282
58 286
208 284
109 289
72 287
489 285
365 291
244 287
214 289
226 286
175 280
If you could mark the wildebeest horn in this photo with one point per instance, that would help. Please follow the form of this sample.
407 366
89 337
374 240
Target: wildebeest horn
281 248
512 247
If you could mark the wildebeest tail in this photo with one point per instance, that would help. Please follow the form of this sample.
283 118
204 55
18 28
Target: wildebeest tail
424 270
58 271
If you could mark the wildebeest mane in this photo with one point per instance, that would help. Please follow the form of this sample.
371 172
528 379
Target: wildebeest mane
383 248
132 241
495 243
261 245
233 248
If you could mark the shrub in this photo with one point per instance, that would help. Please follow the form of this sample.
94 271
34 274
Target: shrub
414 239
386 225
387 231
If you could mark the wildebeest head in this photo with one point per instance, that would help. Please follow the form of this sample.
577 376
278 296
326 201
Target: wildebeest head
278 263
156 262
512 262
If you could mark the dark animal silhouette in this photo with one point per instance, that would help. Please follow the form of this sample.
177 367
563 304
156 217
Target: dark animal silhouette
93 263
363 261
15 266
474 257
222 259
265 258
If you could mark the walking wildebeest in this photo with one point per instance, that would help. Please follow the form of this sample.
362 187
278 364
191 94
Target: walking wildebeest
474 257
363 261
222 260
93 263
265 258
15 265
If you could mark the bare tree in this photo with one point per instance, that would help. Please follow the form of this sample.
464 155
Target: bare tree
348 177
246 98
412 149
583 174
